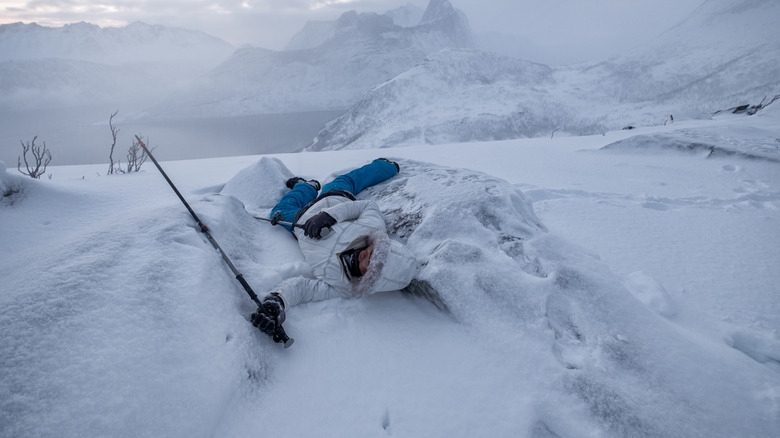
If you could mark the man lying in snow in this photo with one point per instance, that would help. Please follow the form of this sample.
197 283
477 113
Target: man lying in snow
352 258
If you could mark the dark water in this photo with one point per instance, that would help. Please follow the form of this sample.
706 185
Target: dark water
83 136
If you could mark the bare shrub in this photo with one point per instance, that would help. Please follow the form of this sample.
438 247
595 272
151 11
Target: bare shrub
41 157
136 157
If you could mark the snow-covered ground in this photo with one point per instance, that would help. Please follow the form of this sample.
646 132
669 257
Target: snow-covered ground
644 301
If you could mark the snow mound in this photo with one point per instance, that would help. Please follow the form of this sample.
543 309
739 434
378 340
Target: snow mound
259 185
10 185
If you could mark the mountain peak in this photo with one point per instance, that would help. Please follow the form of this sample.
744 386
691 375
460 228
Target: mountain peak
438 9
442 16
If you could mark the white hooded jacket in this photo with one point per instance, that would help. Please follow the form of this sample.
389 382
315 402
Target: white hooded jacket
358 223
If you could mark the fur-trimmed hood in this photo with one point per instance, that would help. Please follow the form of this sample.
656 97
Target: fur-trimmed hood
392 266
359 223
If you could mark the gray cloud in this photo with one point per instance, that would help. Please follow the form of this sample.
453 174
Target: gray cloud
557 30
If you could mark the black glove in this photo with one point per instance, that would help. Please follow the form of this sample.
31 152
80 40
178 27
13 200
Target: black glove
316 223
270 315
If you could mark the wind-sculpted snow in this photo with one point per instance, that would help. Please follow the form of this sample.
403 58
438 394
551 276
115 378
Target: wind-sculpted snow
755 142
117 317
765 149
491 263
110 334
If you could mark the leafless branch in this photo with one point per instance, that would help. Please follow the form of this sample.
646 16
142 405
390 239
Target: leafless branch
136 157
114 132
41 156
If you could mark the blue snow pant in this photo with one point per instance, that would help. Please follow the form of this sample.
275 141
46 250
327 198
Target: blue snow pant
353 182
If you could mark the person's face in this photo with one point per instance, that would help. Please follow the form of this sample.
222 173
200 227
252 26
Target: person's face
364 258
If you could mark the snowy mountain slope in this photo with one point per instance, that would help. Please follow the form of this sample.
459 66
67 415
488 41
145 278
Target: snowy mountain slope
479 96
78 64
725 54
364 50
589 293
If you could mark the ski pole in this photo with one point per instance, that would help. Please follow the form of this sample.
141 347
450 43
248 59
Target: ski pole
279 336
275 221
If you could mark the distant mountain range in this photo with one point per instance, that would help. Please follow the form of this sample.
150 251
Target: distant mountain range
726 53
408 76
332 66
76 64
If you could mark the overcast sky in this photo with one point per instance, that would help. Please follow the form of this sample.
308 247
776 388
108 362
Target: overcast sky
555 31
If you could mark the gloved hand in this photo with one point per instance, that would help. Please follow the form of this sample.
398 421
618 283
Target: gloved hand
316 223
270 315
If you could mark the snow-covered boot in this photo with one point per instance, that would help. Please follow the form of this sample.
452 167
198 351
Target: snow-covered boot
296 179
397 167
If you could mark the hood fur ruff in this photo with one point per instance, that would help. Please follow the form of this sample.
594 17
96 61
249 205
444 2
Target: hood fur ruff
392 267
